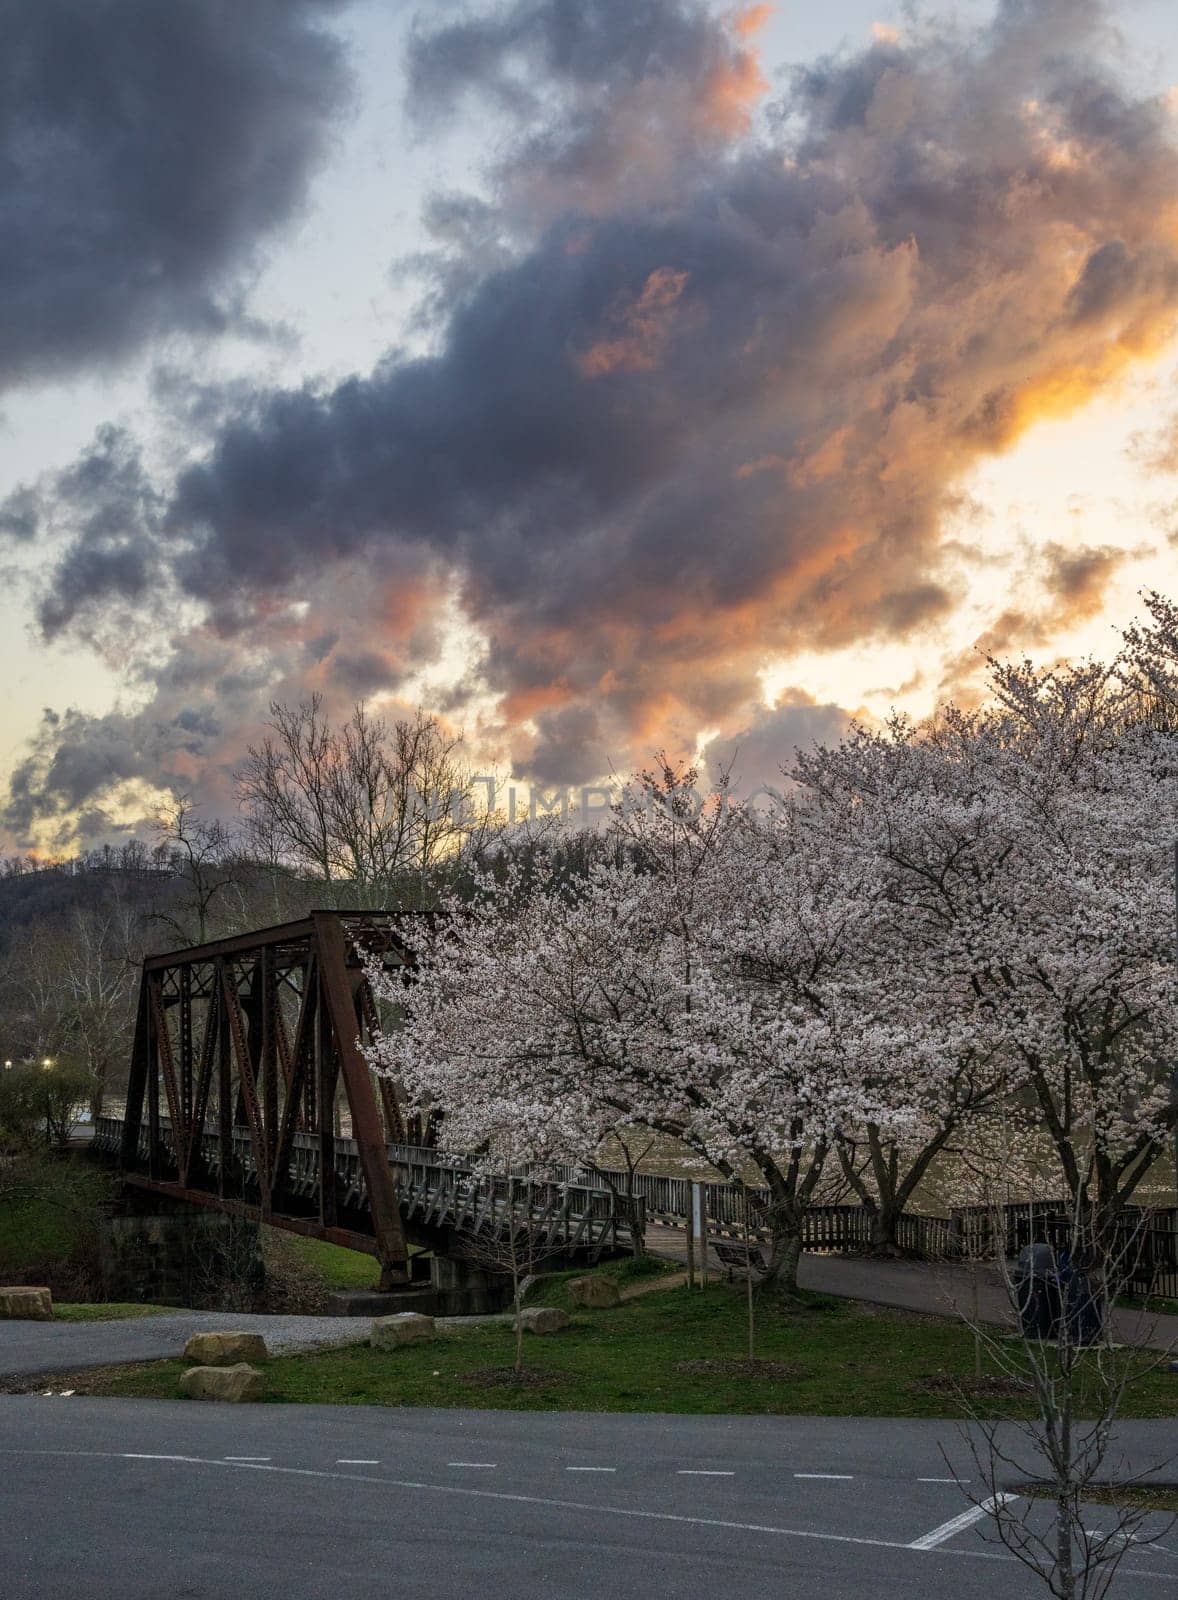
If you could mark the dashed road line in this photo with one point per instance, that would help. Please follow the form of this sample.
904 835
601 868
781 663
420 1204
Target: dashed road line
358 1461
942 1480
591 1469
248 1458
839 1477
485 1464
703 1472
946 1530
630 1512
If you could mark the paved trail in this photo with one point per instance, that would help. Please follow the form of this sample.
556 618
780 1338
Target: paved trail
944 1290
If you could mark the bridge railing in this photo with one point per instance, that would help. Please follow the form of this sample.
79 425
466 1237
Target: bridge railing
441 1188
435 1188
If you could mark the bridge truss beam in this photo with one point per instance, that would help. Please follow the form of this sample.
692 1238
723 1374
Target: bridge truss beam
263 1032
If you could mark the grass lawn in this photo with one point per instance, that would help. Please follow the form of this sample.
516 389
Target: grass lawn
104 1311
1140 1496
1153 1306
51 1216
336 1268
680 1350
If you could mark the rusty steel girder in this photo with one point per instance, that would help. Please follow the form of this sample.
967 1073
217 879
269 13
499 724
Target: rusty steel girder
262 1032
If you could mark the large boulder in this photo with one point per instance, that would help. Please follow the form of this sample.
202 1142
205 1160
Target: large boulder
35 1305
241 1382
596 1292
225 1349
405 1327
543 1319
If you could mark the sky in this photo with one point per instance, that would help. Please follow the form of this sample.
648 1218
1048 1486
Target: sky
604 376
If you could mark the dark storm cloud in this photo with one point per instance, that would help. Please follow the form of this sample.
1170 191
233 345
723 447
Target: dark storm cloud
513 54
76 757
759 755
665 442
714 400
567 748
1077 577
108 511
360 673
598 99
146 150
210 696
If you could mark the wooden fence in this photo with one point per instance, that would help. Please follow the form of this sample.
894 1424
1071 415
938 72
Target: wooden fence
1147 1240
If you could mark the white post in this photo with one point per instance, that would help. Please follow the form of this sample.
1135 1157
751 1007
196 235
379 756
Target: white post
699 1227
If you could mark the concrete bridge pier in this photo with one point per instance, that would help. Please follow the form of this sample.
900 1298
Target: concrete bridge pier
465 1290
454 1288
156 1248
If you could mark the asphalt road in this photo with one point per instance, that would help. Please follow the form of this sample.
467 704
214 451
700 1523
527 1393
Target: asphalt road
149 1501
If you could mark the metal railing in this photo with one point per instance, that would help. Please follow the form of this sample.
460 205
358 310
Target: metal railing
592 1206
435 1189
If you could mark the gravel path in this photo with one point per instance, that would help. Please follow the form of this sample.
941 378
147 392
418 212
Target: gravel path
28 1349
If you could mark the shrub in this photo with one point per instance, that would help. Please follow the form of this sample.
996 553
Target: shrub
39 1104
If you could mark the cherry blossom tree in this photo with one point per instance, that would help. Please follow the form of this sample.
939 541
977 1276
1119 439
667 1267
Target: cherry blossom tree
1025 891
1074 947
639 996
903 811
937 924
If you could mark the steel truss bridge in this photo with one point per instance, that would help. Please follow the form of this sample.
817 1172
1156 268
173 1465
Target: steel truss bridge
246 1064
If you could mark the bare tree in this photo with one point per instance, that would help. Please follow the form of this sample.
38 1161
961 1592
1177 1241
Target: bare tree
205 865
1075 1374
101 972
68 991
364 806
511 1236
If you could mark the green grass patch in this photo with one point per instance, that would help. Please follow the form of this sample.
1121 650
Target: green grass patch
49 1213
338 1269
551 1288
104 1311
675 1352
1134 1496
1153 1306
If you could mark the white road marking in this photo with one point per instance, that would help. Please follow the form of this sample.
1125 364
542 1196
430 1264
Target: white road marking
946 1530
632 1512
248 1458
838 1477
357 1461
591 1469
703 1472
472 1463
942 1480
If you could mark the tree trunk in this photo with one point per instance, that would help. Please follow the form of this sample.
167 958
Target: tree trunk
1065 1575
785 1253
884 1219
